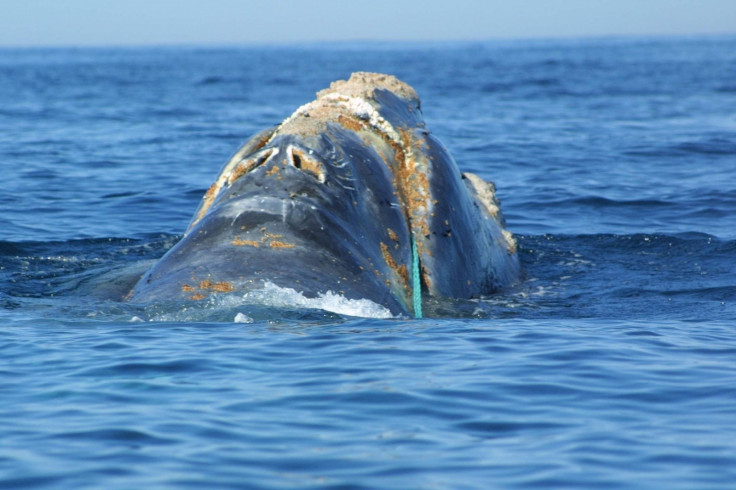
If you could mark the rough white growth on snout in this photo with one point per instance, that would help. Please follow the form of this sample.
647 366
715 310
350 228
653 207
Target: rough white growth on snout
363 109
355 106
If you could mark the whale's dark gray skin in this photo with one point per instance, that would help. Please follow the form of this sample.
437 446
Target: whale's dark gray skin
331 199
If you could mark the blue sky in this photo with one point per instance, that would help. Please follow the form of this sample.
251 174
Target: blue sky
144 22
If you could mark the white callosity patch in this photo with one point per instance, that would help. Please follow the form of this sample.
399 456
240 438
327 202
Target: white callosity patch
355 106
224 179
485 195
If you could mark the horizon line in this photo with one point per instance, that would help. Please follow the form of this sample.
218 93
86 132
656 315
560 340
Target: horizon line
377 42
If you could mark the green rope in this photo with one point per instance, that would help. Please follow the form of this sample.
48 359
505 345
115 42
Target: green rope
416 285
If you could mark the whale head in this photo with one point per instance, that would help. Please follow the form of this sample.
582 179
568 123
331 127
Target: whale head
350 194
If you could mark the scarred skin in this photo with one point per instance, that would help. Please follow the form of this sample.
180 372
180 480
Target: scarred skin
331 199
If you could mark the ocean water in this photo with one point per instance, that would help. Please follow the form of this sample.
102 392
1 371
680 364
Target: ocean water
611 365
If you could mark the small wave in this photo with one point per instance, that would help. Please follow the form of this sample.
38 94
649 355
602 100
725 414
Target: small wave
117 435
602 202
10 248
726 89
211 80
712 147
537 86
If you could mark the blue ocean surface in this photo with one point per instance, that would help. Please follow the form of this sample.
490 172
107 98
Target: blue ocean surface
611 365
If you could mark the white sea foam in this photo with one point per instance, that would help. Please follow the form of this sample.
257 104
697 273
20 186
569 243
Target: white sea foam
242 318
273 295
230 307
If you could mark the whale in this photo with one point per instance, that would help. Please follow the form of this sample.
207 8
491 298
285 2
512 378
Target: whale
351 195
